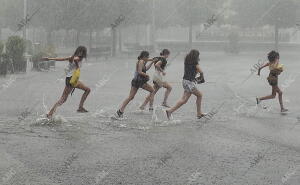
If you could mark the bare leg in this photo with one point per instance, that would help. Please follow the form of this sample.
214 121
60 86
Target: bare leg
198 94
167 93
62 100
280 99
182 101
272 96
132 93
148 98
84 96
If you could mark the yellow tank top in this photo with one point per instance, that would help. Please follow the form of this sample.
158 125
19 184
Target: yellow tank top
276 66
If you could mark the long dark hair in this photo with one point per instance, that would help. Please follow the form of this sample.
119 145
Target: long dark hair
143 54
164 52
80 52
192 58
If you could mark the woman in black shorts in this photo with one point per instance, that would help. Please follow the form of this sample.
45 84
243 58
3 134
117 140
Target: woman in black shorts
275 70
74 62
139 80
160 64
191 69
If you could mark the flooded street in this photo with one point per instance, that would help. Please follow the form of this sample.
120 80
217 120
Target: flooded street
240 143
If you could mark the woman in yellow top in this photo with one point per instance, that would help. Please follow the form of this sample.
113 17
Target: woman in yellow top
74 64
275 70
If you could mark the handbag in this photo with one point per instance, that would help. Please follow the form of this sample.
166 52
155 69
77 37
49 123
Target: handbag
75 78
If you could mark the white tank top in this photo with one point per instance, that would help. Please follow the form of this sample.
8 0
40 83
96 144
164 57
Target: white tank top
71 68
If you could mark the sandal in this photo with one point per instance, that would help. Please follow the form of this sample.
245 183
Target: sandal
82 110
258 101
201 116
119 114
165 105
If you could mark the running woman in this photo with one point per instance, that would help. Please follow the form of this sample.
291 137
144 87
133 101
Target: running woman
191 69
275 70
158 82
139 80
75 62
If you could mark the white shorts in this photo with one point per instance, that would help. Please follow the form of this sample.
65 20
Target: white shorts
158 79
188 86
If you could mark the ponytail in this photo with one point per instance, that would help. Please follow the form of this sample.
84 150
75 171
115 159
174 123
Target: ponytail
143 54
164 52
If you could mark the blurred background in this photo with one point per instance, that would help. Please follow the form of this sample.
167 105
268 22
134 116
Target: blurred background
115 27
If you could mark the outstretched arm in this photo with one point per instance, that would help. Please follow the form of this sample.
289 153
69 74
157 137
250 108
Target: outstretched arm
265 65
57 59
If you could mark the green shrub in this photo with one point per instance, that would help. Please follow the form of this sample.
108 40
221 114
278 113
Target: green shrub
4 64
15 48
1 48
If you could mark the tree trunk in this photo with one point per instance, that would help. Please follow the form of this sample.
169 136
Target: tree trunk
120 39
90 39
114 41
190 26
49 37
66 40
276 36
77 43
153 26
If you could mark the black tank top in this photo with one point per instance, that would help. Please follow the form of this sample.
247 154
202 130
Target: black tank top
163 62
190 72
144 70
144 67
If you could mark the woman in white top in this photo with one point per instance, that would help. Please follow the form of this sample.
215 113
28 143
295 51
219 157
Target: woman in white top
160 64
75 62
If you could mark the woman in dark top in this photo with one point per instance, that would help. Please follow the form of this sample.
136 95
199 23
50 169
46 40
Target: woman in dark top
160 64
191 69
139 80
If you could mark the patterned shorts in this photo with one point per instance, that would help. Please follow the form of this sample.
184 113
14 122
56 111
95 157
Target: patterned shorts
188 86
